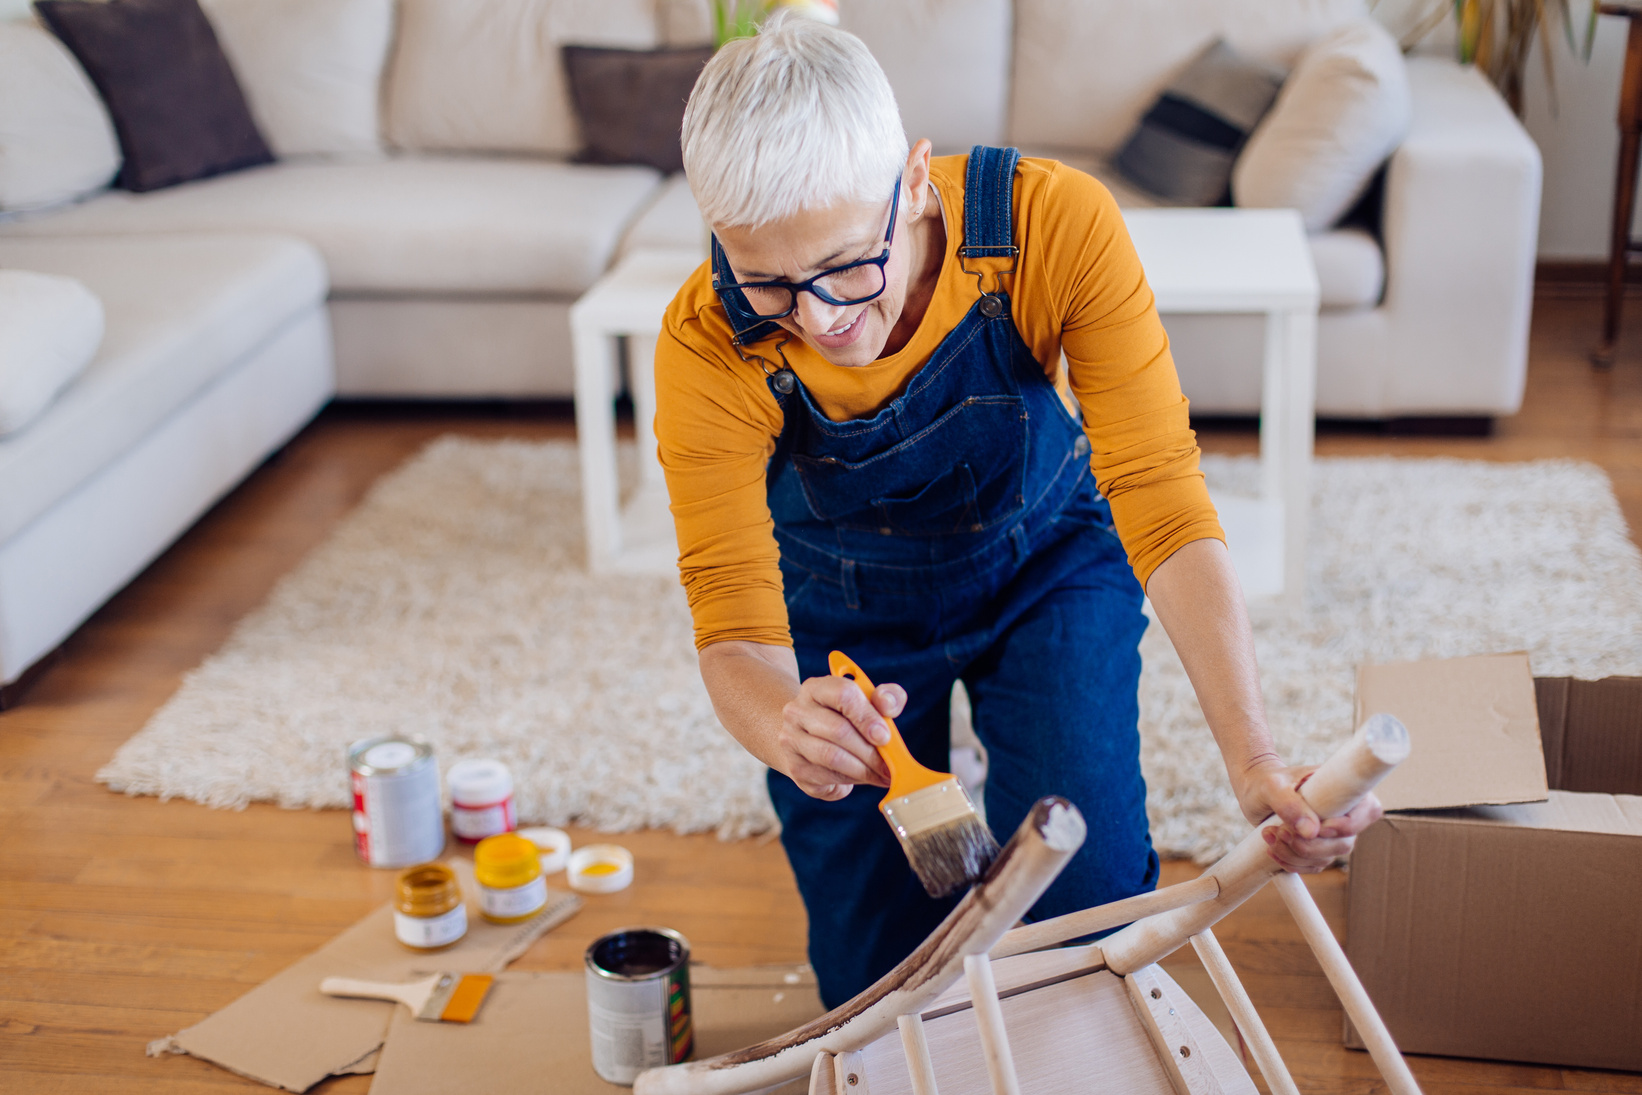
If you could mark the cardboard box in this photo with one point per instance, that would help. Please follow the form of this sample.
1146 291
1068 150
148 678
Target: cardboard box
1506 931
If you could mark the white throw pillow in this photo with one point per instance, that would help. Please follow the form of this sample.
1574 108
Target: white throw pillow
50 328
1343 110
485 75
56 142
310 69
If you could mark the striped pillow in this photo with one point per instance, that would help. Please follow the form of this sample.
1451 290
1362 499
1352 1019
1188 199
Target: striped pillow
1184 148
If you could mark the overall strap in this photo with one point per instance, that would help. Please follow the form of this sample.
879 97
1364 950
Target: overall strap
989 206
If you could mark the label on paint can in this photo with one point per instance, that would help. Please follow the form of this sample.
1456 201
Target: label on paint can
428 932
397 819
515 901
638 1002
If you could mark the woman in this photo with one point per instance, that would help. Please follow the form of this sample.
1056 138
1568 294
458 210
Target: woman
870 446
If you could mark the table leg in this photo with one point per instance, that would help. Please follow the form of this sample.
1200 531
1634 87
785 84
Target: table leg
1288 435
1624 198
641 369
596 444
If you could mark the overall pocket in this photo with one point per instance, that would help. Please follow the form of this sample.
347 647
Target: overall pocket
963 473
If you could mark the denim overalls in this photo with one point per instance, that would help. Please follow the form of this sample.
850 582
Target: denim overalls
958 533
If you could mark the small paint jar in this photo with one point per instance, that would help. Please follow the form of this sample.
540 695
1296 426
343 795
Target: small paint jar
509 871
481 799
428 913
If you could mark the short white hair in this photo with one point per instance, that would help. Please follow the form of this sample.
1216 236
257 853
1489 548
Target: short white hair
798 117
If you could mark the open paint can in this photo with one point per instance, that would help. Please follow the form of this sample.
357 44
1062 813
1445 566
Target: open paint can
397 818
638 1001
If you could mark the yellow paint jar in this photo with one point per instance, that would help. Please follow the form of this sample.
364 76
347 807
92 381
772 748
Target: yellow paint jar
509 871
428 913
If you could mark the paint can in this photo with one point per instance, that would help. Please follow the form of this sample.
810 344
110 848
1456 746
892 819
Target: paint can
638 1001
481 799
397 819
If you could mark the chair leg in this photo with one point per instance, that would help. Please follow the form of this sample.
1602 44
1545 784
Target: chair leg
1248 1022
916 1048
1352 995
1000 1064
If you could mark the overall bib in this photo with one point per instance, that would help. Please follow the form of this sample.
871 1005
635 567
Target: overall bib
958 534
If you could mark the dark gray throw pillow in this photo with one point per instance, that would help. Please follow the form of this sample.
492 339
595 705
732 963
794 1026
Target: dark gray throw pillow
177 108
1184 148
630 102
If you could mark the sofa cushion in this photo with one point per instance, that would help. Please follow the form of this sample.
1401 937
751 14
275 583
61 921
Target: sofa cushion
630 102
49 328
311 69
485 75
1085 70
404 225
181 311
177 108
1185 145
56 142
948 61
1344 110
669 221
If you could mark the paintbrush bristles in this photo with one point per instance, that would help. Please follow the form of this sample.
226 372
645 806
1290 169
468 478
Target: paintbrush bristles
943 835
951 857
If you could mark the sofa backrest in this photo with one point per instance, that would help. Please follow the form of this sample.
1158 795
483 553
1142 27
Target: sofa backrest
485 75
1086 70
948 61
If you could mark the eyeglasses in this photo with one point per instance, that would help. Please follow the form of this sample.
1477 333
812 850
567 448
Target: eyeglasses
851 283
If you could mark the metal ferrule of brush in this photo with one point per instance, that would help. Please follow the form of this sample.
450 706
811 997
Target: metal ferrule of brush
920 811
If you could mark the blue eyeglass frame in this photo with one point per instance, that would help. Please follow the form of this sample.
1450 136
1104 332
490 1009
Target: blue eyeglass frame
809 284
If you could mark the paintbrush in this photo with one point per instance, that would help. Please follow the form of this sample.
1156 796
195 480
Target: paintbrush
945 838
444 997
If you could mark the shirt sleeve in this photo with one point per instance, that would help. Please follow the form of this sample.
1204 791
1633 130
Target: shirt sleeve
1142 448
714 439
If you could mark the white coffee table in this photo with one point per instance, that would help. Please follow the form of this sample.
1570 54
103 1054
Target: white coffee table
629 302
1252 261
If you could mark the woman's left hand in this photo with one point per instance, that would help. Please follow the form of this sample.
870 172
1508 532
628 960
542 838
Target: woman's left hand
1297 839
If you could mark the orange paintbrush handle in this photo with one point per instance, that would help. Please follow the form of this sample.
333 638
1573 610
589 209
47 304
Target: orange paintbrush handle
906 775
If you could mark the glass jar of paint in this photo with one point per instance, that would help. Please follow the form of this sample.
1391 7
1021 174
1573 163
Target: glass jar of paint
509 871
428 913
481 799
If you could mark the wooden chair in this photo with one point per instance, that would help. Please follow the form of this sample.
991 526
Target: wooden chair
985 1007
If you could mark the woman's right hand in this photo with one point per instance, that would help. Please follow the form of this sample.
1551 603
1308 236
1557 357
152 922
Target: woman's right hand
830 735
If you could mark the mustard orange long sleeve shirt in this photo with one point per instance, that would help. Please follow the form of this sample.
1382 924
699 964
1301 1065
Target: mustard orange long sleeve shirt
1078 288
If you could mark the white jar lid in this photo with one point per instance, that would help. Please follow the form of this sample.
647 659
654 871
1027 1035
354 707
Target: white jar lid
553 844
601 868
478 782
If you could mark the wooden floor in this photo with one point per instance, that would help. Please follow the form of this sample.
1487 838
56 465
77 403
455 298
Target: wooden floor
122 920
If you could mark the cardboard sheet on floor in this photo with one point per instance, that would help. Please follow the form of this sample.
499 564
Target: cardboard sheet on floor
531 1034
287 1034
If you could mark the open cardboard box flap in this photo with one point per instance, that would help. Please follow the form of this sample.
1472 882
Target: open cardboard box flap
1474 724
1486 913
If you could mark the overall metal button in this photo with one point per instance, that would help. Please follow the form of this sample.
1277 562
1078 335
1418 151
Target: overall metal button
991 306
784 381
1080 447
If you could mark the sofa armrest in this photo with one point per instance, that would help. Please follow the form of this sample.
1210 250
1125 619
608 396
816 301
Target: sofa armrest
1460 229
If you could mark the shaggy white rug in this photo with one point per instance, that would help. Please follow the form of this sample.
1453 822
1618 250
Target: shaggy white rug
453 605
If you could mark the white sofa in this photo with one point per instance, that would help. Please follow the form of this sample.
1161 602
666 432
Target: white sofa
452 275
447 233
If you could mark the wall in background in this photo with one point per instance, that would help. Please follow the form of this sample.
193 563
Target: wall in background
1578 136
12 9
